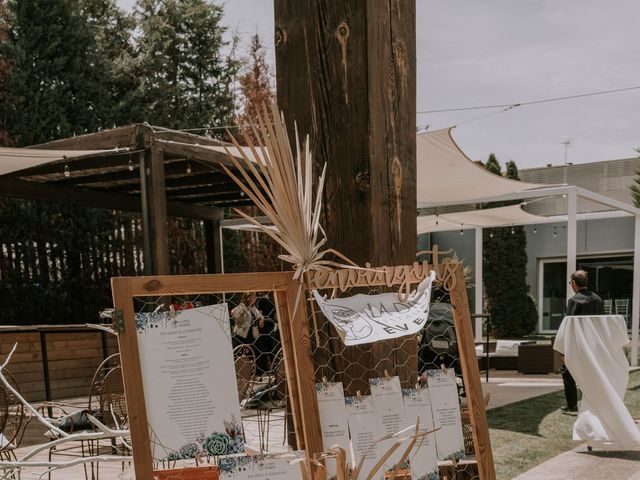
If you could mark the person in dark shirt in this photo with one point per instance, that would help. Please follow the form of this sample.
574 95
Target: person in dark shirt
584 302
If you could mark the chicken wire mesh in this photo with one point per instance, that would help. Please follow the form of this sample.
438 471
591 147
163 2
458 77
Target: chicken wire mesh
265 404
435 346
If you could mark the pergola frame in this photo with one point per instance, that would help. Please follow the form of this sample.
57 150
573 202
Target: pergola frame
174 174
572 193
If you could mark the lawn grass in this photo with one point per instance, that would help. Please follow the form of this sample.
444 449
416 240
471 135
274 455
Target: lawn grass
527 433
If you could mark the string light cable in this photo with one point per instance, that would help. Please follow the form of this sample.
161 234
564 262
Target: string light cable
532 102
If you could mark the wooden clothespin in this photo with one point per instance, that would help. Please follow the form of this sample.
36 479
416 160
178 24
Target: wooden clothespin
359 395
324 380
173 310
386 375
444 369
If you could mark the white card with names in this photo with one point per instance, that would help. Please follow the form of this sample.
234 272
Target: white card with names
333 420
387 399
363 427
446 413
424 458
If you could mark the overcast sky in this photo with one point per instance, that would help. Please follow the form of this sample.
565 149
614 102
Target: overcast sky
488 52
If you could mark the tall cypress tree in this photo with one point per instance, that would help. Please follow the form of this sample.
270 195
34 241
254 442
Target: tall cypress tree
512 310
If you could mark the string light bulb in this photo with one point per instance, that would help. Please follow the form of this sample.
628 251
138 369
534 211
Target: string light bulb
188 168
491 234
513 231
67 171
555 232
535 230
130 166
461 229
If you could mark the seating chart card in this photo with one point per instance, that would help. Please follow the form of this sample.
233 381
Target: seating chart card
333 420
189 381
242 467
446 413
387 399
424 458
363 426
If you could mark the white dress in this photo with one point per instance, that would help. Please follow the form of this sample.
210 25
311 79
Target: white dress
593 353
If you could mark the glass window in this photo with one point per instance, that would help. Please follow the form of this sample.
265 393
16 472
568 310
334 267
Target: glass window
609 277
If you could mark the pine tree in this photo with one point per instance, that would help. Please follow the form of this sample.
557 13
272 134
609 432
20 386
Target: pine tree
67 61
112 60
512 310
185 79
4 67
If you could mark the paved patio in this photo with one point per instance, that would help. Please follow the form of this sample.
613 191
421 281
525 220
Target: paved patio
505 387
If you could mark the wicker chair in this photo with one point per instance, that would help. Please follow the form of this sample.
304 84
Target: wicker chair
105 380
272 409
14 418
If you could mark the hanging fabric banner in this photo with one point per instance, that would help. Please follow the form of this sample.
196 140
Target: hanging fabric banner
369 318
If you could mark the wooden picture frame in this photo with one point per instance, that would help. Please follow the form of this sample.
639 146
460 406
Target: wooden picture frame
296 343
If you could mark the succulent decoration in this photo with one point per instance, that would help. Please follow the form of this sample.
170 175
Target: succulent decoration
458 455
217 443
430 476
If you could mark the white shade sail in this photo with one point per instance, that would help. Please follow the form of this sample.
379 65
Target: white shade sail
16 159
445 175
490 217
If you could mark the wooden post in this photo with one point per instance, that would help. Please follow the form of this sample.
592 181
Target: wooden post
471 375
296 343
132 376
346 75
154 213
213 237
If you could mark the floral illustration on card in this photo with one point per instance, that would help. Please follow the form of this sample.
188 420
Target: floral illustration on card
217 443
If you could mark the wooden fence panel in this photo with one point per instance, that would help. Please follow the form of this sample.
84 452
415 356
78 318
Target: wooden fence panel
66 367
26 363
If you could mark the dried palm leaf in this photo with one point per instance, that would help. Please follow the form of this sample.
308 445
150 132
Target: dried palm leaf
281 186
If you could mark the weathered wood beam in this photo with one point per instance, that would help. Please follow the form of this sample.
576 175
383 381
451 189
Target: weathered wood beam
209 197
93 199
183 137
204 190
75 164
106 177
176 183
195 152
198 179
104 140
